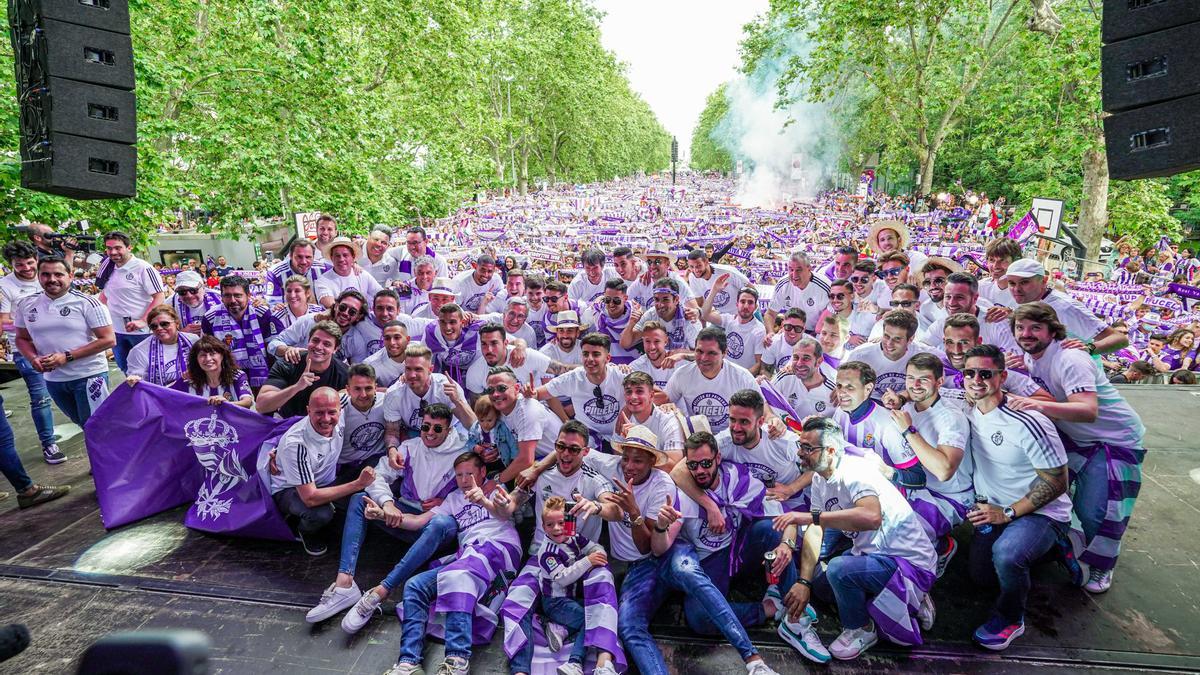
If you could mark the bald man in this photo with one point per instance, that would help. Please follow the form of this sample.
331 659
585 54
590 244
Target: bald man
307 458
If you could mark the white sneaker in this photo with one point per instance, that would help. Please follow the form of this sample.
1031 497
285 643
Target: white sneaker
759 668
606 669
556 635
801 636
926 613
852 643
1099 581
454 665
776 600
361 613
570 668
406 669
333 600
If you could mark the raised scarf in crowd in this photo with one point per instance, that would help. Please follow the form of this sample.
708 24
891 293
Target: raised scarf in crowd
158 370
452 360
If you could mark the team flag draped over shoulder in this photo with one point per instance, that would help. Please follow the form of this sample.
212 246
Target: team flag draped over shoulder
154 448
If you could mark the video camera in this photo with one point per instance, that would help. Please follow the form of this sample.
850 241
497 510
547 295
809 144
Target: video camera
66 240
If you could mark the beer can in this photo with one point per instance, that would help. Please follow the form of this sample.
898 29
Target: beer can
769 561
569 519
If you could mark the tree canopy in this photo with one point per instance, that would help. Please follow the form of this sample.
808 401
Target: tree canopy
373 111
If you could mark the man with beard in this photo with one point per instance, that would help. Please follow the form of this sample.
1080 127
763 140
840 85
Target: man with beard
363 427
658 361
962 297
132 288
563 350
703 387
889 356
244 329
869 428
908 298
192 300
407 399
290 385
1105 451
595 390
1028 283
63 334
307 455
747 536
959 334
414 479
493 346
842 265
454 342
1020 465
669 311
478 286
938 435
344 276
350 308
377 259
658 268
778 352
21 283
388 362
327 231
613 315
366 336
893 271
891 236
801 290
416 246
586 287
627 265
933 282
532 423
300 262
890 551
743 330
808 384
704 276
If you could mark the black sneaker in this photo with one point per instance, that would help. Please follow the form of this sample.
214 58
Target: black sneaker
43 494
14 638
313 545
53 455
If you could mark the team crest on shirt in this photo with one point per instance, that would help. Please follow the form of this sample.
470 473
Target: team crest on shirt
712 406
470 515
456 356
734 345
819 406
869 441
366 436
722 299
374 346
998 438
811 302
129 276
472 303
831 504
602 410
889 382
65 311
32 315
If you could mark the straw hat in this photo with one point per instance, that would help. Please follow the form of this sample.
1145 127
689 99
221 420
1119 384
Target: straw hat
442 286
896 225
641 438
343 241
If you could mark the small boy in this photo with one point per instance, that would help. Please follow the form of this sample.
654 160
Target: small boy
564 559
490 439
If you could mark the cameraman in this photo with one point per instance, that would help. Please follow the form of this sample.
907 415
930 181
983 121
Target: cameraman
41 236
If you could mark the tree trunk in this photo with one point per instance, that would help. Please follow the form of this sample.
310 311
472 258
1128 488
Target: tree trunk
1093 208
927 157
523 180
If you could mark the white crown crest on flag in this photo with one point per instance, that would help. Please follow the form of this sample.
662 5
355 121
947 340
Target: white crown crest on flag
206 432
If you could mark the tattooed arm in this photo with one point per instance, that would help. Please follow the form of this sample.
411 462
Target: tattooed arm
557 368
1046 487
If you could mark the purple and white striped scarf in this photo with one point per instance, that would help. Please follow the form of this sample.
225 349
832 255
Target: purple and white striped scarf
244 339
599 612
453 360
475 581
1124 484
187 315
161 373
895 608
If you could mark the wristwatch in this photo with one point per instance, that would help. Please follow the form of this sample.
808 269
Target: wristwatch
790 543
1091 348
1010 513
69 356
816 516
910 430
659 529
639 521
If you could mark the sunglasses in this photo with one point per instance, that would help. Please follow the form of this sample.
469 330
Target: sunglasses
860 279
903 303
553 298
702 463
187 291
983 373
343 308
563 447
933 282
792 328
613 301
437 428
837 296
162 324
498 389
894 272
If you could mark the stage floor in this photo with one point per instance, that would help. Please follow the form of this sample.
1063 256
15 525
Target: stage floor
72 582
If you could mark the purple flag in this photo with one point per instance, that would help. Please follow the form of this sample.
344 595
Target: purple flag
153 448
1024 228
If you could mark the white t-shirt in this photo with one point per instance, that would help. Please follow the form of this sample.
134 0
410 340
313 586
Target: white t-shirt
779 353
736 490
532 421
555 353
13 289
331 284
535 364
470 293
695 394
805 401
771 461
744 341
889 374
1063 372
400 254
900 535
660 375
813 299
401 404
385 271
305 456
428 472
598 413
129 291
996 295
681 333
138 361
995 333
1081 323
362 432
587 480
582 290
666 428
944 424
64 324
726 300
1006 447
650 495
387 371
475 524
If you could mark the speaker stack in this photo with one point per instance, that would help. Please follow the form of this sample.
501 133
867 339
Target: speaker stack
1150 67
74 70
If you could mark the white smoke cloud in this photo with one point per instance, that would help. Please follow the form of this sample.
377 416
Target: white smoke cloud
766 139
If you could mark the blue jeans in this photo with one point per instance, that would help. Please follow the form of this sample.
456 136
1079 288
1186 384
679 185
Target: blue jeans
1091 494
73 398
420 592
312 521
39 399
762 538
851 582
1003 557
643 591
10 462
566 612
440 532
125 342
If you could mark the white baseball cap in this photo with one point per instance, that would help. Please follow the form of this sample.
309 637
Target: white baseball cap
188 279
1025 268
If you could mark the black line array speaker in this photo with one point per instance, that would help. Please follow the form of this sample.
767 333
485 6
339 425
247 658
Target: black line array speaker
75 81
1150 68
